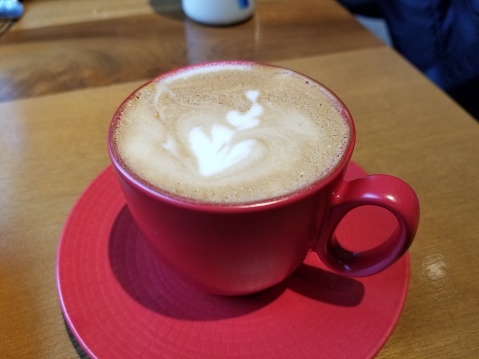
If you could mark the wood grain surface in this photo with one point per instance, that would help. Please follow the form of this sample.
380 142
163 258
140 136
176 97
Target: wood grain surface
67 65
92 45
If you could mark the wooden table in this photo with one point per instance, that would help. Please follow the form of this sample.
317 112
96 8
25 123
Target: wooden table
66 66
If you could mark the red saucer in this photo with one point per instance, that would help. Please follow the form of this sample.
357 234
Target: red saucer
120 302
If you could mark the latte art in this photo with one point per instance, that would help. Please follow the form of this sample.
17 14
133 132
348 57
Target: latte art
216 152
228 133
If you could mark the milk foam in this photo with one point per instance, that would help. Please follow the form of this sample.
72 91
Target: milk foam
216 152
230 134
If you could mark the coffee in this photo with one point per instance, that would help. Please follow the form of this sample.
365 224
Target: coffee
230 133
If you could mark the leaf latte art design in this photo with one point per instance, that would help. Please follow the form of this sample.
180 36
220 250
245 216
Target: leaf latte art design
216 151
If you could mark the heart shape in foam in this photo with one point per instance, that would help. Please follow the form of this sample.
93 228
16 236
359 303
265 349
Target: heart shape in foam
215 153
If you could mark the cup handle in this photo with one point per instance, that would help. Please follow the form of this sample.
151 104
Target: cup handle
384 191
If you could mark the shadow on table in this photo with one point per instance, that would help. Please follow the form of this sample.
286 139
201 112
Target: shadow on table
168 8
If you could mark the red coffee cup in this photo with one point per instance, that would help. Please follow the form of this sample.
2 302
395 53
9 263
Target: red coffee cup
236 249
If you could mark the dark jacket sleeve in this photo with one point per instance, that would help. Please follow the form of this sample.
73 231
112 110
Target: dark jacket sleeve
441 38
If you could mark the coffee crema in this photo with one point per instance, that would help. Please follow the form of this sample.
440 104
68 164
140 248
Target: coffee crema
230 133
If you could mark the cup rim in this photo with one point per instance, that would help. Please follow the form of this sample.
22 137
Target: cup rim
267 203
